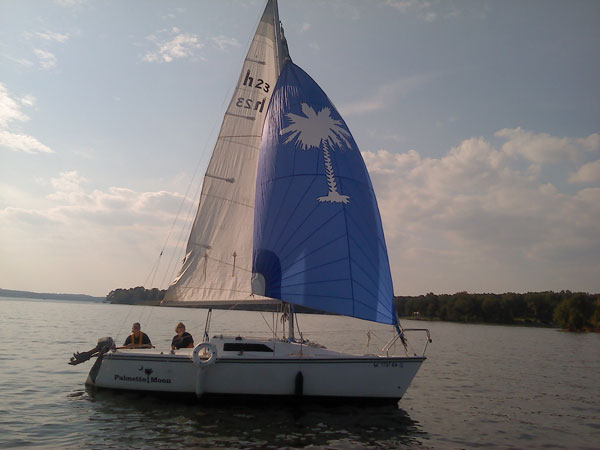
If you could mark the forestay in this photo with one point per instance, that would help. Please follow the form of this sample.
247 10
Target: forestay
317 230
218 260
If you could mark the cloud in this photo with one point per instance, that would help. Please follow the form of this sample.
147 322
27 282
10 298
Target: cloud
175 45
405 6
70 3
9 108
76 232
86 153
10 112
386 95
428 11
28 100
71 199
386 162
46 59
543 148
22 142
471 220
50 36
588 173
68 187
222 42
346 11
21 61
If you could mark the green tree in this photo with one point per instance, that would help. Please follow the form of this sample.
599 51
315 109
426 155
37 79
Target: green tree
596 315
575 313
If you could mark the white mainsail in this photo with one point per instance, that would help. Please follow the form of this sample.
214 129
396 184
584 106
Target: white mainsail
218 263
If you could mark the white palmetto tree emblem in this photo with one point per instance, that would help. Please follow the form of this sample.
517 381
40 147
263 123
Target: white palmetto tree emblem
320 130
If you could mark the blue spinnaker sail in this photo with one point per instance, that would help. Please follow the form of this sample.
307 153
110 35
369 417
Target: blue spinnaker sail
318 238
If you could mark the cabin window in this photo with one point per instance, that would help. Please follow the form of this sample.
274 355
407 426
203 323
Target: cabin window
246 347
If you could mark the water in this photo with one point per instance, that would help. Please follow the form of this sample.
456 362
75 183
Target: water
482 386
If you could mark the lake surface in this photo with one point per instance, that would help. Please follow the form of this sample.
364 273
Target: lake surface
481 386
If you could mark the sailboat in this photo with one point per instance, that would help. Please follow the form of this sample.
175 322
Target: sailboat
287 221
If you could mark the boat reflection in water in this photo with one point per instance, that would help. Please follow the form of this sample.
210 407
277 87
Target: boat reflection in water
236 424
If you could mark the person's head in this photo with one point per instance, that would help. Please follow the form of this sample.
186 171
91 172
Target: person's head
136 327
180 328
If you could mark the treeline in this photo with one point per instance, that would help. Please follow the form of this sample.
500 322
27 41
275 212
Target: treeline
48 296
575 311
136 296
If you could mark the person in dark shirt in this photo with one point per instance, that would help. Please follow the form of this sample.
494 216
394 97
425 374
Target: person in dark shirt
182 339
137 339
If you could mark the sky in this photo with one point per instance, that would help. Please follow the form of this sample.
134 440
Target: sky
479 122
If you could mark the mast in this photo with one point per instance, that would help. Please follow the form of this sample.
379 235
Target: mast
291 322
282 51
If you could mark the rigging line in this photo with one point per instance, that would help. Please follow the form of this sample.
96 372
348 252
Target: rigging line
228 200
298 327
226 310
377 337
125 319
179 209
265 320
151 309
184 198
151 282
169 271
144 321
152 271
185 229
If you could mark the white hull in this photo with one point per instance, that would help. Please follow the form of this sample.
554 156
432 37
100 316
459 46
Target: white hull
287 369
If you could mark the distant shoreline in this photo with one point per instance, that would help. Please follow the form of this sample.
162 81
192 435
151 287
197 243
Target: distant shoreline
50 296
573 311
481 322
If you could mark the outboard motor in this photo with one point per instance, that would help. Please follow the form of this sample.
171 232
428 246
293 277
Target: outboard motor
104 344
